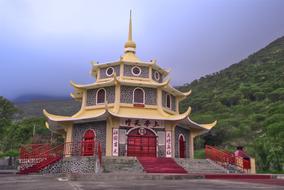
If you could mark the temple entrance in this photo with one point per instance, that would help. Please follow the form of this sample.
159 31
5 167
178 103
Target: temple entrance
141 142
181 147
88 143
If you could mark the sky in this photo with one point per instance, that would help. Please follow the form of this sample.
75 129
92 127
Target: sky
46 44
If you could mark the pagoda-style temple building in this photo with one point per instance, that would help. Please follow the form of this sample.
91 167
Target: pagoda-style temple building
131 109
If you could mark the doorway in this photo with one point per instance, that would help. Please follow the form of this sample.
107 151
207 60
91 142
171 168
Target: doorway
181 146
141 142
88 143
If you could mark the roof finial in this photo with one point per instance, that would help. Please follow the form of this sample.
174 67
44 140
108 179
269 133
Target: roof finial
130 28
130 45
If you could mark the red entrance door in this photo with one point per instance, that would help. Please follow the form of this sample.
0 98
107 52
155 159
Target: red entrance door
141 142
181 147
88 144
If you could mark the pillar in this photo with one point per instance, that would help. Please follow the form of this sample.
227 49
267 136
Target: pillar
68 139
191 144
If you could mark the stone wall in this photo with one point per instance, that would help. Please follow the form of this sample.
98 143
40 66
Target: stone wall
185 133
91 95
100 130
127 95
72 165
103 74
144 71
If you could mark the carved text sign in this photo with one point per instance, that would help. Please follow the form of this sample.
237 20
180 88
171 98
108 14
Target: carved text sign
115 142
147 123
168 144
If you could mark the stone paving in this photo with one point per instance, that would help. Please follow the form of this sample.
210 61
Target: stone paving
39 182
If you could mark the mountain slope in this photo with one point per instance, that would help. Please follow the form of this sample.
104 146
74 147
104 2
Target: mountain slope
246 98
61 107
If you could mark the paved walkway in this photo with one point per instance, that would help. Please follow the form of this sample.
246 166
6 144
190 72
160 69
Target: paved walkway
38 182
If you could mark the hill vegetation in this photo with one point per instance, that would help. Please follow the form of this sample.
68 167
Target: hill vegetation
246 98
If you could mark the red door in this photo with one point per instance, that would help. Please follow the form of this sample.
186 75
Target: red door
88 144
181 147
141 142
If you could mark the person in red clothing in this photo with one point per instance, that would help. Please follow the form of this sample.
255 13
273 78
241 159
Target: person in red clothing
241 153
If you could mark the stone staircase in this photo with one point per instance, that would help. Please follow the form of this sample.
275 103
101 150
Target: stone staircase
121 165
200 166
161 165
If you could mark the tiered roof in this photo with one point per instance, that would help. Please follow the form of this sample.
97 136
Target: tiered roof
117 109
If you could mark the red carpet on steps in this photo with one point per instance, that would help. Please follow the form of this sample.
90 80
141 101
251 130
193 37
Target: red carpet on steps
160 165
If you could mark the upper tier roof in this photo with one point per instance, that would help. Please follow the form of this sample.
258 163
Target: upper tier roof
143 83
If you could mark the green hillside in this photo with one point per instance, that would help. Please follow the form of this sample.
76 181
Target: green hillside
247 99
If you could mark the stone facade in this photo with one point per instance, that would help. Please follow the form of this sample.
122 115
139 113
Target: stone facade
103 74
127 95
185 133
100 131
153 76
73 165
144 71
91 95
164 101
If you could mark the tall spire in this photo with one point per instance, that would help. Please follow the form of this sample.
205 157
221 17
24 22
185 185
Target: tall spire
130 45
130 28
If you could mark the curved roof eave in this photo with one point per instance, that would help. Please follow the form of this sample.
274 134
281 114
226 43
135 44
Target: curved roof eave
203 127
144 83
57 118
96 84
161 117
55 129
177 92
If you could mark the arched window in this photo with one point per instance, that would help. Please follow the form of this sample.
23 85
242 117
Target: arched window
101 96
138 96
168 101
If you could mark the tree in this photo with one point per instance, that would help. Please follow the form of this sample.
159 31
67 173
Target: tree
7 110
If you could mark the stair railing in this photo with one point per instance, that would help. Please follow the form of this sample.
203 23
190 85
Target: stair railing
32 150
226 159
38 160
42 155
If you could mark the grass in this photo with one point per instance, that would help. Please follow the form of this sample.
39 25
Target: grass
199 154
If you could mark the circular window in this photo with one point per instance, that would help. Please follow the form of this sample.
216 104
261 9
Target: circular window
157 75
109 71
136 71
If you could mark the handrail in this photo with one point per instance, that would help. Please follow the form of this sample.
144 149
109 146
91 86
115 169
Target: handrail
37 160
24 153
226 159
58 148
